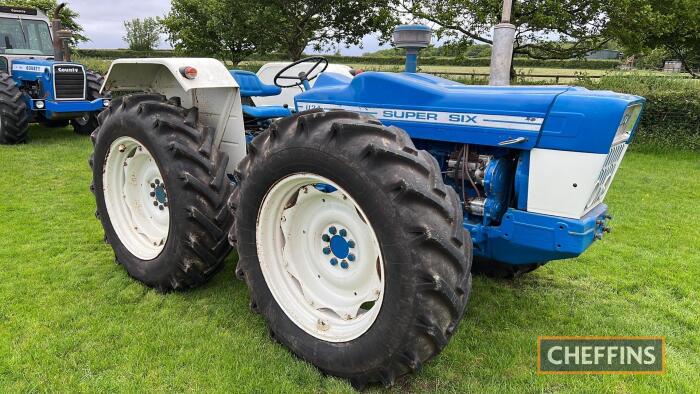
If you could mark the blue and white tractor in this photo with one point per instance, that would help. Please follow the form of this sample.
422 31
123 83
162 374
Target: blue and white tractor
356 212
38 82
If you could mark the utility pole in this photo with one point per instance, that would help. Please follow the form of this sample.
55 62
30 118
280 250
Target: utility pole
502 49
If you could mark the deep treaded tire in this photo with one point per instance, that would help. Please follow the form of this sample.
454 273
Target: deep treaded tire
88 124
194 171
496 269
417 221
14 117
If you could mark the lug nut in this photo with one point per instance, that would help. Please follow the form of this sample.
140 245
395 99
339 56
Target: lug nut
155 203
332 230
351 257
351 244
326 238
344 265
334 261
343 233
121 148
153 194
326 250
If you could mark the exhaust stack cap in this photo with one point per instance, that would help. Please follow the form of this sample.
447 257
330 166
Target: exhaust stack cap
413 38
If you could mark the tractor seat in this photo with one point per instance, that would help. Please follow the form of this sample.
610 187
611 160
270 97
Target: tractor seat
252 86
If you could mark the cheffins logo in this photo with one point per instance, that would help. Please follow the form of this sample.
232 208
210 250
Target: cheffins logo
601 355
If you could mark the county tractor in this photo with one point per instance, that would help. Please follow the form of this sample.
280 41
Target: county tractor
38 82
357 212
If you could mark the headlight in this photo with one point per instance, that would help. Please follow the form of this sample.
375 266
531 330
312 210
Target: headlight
39 104
629 120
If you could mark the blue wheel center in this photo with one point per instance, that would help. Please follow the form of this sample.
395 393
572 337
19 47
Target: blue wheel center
161 196
340 247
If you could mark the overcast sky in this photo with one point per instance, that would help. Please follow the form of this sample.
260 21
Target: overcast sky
103 21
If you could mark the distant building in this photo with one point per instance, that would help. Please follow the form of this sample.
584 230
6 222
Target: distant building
672 66
604 54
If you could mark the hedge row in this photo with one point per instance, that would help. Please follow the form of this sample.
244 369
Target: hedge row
671 117
378 60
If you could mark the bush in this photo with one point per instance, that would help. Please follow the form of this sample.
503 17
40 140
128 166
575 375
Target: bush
671 117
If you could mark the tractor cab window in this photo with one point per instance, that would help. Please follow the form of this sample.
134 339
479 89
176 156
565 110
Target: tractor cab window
25 37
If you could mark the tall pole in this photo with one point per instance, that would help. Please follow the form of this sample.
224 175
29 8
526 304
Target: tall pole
502 50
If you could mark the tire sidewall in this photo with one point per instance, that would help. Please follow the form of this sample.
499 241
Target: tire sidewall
389 328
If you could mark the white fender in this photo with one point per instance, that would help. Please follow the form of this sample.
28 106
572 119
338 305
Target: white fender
214 92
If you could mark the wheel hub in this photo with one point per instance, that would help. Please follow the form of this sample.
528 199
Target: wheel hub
338 245
159 195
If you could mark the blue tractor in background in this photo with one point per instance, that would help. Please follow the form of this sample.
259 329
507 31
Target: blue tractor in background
38 82
356 213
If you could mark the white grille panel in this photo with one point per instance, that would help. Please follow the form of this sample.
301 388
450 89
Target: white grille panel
612 163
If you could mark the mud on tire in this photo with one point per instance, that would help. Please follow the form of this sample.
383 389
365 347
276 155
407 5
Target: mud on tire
417 221
194 171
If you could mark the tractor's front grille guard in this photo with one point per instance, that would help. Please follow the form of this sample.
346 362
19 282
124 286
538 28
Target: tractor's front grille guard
69 82
605 178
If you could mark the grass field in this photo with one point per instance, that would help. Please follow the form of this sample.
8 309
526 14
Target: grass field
71 320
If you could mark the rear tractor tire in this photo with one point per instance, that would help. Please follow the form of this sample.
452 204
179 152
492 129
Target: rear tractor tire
351 245
161 189
14 116
87 123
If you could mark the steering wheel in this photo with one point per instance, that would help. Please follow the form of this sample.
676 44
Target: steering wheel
303 77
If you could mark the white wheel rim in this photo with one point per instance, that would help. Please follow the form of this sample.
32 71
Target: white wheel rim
301 230
136 198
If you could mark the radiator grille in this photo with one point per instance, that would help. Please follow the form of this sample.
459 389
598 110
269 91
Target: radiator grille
605 178
69 82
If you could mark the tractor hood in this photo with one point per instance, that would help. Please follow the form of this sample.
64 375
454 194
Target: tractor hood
434 108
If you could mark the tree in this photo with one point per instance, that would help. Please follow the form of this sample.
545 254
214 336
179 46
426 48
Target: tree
545 29
670 25
68 16
296 24
227 29
142 35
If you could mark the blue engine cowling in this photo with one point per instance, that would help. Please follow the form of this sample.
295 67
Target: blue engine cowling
58 90
532 164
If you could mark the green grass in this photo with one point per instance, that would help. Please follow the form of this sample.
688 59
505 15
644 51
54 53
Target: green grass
73 321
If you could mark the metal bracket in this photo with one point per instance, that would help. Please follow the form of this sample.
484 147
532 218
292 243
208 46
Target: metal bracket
512 141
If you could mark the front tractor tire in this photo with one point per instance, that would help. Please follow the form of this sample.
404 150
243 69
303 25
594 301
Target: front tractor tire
161 189
87 123
351 245
14 116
